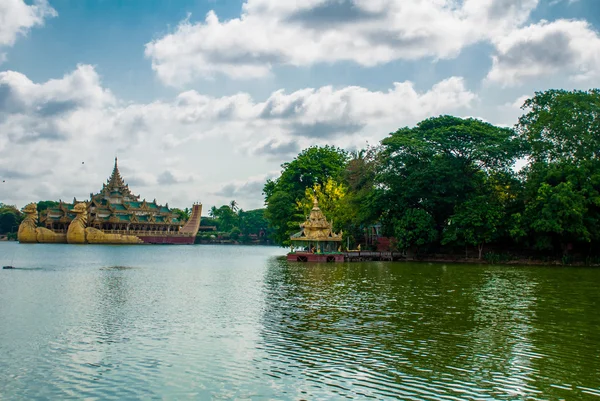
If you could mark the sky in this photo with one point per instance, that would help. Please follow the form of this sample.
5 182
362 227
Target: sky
203 100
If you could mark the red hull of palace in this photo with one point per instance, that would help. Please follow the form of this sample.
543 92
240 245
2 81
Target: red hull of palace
314 257
167 240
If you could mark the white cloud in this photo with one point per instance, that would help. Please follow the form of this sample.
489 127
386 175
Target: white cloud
249 190
569 2
543 49
57 138
519 102
16 18
368 32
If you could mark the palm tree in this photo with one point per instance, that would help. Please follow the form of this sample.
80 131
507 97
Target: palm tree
213 212
233 205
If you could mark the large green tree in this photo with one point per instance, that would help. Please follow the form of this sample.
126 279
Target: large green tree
562 181
413 229
437 166
10 218
252 221
562 126
476 222
562 205
362 198
227 217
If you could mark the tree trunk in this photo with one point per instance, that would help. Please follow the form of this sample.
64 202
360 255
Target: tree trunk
480 246
411 252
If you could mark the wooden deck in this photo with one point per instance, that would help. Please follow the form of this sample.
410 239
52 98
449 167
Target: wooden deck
349 256
359 256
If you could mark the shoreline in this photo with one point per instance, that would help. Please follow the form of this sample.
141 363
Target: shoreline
368 256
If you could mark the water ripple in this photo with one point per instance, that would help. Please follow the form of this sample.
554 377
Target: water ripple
235 323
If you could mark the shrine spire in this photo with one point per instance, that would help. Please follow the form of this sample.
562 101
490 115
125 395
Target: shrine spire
115 181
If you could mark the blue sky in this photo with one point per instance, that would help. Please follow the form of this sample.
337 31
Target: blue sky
203 100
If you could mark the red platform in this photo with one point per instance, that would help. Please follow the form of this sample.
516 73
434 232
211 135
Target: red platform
175 240
315 257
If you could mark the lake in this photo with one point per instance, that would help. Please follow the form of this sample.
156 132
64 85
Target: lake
239 322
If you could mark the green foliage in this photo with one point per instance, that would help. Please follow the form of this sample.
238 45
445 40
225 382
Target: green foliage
236 224
182 215
440 164
313 166
414 228
209 221
10 218
43 205
495 258
562 126
235 233
451 182
228 219
562 183
475 221
364 203
252 222
563 204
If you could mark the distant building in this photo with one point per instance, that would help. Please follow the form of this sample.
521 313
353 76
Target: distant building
112 216
115 207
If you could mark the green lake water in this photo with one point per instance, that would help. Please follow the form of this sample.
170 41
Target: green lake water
234 322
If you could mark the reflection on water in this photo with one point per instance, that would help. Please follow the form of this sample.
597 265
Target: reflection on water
413 331
240 323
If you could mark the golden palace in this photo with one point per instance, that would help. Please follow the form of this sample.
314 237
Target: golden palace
112 216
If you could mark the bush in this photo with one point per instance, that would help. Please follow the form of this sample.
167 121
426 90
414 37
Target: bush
234 234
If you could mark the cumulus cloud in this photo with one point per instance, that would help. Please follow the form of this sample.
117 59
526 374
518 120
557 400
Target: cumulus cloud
17 18
547 48
367 32
248 192
170 177
273 148
233 190
73 127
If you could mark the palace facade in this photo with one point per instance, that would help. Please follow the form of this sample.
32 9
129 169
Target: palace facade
116 211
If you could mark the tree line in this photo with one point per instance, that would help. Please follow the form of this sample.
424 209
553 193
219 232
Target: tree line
458 185
235 224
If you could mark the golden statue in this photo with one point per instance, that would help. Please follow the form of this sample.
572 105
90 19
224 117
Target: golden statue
79 234
95 236
76 231
46 236
27 230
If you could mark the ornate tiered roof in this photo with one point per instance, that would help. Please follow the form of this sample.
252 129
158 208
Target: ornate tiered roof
115 203
316 228
116 186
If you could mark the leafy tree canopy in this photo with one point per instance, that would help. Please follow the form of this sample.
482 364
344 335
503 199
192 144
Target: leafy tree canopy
441 163
10 218
182 214
47 204
475 142
562 126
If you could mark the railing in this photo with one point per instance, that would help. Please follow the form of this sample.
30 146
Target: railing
137 232
149 233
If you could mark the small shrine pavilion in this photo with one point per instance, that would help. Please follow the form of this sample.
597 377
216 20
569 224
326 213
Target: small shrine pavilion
316 242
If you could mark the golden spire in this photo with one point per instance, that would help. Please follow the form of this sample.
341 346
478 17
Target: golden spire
115 181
